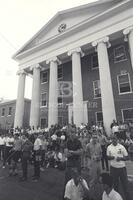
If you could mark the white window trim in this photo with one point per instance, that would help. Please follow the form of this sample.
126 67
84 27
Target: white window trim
41 100
47 77
96 116
119 84
94 90
124 52
123 114
43 118
60 79
93 68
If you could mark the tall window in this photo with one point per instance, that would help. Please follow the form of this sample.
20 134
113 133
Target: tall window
124 83
60 73
94 61
60 100
99 117
44 99
10 111
43 122
96 88
119 54
60 120
3 112
127 114
44 77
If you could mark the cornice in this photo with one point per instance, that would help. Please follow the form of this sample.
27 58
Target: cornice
72 30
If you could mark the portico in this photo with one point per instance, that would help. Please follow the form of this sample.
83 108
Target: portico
61 45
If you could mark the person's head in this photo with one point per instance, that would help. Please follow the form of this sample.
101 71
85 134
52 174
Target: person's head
24 136
107 181
114 139
72 133
75 175
94 137
16 135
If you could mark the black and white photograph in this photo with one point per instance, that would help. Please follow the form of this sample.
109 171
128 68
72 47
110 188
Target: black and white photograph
66 100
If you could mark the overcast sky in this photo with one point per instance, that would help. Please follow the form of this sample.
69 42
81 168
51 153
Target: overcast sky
19 21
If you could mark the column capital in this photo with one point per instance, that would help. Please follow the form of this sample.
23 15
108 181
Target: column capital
53 59
102 40
126 32
76 50
37 66
21 72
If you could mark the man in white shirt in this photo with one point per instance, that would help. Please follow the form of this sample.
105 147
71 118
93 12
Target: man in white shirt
2 143
117 154
76 188
109 193
37 156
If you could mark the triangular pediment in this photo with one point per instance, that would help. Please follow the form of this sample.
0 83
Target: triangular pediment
66 20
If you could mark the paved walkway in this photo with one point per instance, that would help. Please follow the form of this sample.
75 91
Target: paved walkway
49 187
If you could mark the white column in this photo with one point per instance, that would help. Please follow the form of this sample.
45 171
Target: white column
85 112
53 92
35 101
128 32
77 86
19 112
70 113
108 107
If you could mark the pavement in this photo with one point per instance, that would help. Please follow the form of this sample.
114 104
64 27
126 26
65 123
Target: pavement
129 166
49 187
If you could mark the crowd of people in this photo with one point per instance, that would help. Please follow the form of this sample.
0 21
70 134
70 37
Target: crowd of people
72 149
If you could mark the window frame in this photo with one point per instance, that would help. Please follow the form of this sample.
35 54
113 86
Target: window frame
121 93
60 78
61 119
41 119
42 100
96 117
92 56
9 114
95 89
2 112
115 57
60 104
123 113
46 72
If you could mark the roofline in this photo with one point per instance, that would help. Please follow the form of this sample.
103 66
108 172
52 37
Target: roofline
122 2
13 101
97 2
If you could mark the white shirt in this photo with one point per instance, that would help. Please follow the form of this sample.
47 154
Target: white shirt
9 141
113 195
54 137
58 156
74 192
62 137
117 151
2 141
37 144
115 129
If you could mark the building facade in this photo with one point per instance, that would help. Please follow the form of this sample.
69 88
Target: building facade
81 62
7 114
